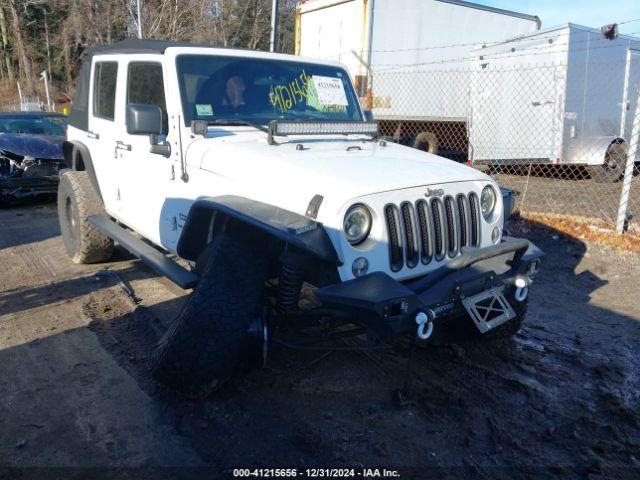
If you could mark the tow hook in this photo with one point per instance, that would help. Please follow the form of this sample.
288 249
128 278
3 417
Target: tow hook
424 320
522 288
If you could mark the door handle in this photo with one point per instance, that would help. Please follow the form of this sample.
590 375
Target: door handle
122 146
91 134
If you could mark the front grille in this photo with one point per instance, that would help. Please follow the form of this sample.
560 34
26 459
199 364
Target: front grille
438 227
410 234
396 258
430 230
426 231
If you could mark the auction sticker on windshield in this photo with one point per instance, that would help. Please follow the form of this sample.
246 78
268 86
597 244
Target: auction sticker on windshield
330 90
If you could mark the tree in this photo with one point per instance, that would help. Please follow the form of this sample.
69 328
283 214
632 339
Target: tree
5 45
52 35
25 61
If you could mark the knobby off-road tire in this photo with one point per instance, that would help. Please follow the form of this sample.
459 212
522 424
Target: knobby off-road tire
77 200
200 349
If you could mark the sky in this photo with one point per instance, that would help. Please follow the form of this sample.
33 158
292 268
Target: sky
590 13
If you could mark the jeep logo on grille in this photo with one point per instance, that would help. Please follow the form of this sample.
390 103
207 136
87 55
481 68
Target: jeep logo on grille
434 192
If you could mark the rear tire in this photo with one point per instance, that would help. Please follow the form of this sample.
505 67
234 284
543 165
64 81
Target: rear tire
613 166
210 336
77 200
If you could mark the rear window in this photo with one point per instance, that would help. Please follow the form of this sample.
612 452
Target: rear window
104 89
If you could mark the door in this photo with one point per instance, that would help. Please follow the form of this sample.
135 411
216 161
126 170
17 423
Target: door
513 111
149 177
100 137
631 92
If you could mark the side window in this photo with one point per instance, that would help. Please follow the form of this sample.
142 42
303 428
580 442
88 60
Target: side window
145 85
104 89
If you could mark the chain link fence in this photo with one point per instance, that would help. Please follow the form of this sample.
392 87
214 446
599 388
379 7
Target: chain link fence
23 104
557 133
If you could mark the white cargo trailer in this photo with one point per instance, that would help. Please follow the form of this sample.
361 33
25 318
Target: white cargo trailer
564 95
409 59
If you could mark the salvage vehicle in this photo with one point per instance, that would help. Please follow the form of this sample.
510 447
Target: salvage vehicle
262 173
30 153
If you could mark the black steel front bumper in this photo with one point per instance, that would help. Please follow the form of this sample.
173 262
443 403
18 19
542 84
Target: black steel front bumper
389 307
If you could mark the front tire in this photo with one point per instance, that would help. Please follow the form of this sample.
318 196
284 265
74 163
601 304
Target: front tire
78 200
211 335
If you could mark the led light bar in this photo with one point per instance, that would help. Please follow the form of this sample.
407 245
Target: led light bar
279 128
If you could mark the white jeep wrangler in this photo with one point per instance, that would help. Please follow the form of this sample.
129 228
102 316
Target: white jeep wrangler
263 173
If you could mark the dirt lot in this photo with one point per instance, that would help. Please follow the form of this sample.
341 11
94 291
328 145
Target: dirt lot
563 398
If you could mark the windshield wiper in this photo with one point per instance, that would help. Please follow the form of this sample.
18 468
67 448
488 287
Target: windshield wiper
236 122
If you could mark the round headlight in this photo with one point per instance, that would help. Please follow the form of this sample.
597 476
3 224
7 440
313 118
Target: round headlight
488 201
357 223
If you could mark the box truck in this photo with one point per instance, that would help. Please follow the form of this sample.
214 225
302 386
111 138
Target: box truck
410 59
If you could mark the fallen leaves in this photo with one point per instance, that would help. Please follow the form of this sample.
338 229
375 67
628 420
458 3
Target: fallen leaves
577 229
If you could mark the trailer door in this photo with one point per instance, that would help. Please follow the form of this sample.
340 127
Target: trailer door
514 112
631 92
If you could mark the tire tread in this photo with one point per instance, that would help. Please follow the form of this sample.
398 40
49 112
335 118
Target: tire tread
200 349
94 245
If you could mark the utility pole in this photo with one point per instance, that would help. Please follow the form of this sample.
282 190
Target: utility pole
273 41
139 19
22 51
46 88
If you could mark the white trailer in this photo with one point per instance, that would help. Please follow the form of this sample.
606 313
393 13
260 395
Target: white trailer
409 58
563 95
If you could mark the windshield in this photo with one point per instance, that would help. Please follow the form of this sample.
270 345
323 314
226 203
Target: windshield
259 90
51 126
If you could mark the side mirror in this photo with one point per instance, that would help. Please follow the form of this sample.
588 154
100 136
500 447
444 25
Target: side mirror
143 119
368 115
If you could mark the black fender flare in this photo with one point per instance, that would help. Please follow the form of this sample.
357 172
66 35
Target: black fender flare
301 232
77 157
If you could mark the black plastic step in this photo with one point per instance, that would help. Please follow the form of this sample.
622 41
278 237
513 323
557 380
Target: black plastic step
145 252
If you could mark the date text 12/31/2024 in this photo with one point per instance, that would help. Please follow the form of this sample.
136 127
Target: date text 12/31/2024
316 473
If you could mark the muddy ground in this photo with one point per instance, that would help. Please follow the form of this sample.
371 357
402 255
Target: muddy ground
76 401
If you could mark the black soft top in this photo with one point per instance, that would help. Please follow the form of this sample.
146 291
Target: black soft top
135 45
79 115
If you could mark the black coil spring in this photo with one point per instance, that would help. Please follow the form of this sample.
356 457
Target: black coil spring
289 285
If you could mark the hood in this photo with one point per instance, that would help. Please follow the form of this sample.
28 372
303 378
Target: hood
38 146
336 167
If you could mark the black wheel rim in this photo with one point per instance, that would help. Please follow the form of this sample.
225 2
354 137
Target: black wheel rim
614 160
257 344
73 220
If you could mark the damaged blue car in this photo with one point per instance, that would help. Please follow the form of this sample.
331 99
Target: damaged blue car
30 153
